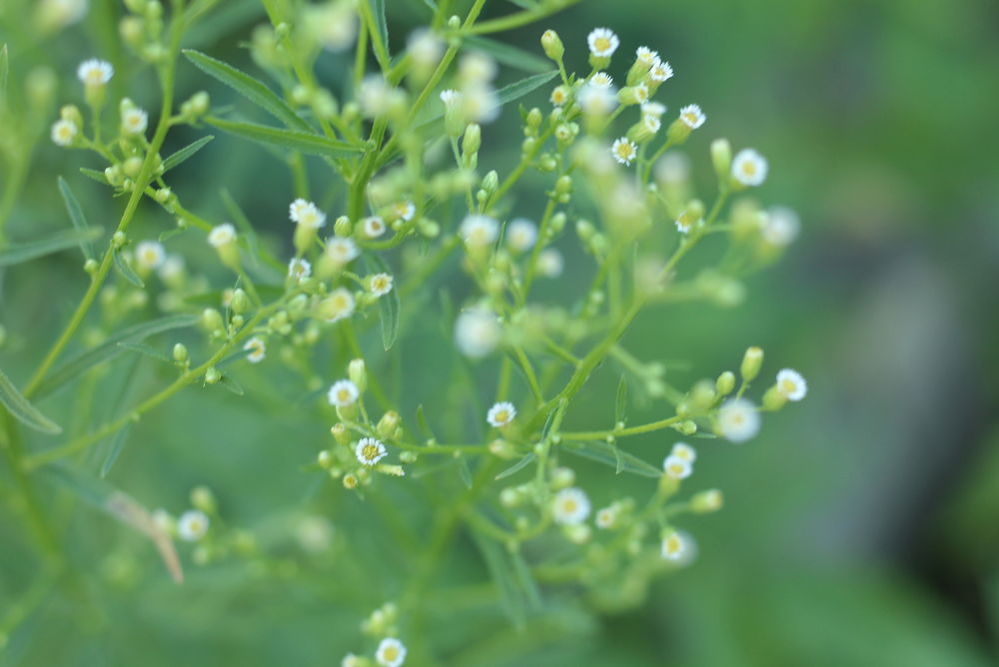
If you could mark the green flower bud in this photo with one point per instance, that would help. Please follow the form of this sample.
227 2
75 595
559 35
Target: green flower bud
773 399
721 158
490 182
212 375
211 319
552 45
240 302
343 226
91 266
118 240
203 499
707 501
325 459
358 374
340 434
180 353
751 363
703 396
725 383
585 230
557 223
388 425
534 118
132 166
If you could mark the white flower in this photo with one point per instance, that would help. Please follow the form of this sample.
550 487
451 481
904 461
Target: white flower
686 222
559 96
651 123
335 25
571 506
606 517
341 249
373 226
64 132
299 269
692 116
521 234
550 263
738 420
338 305
257 350
677 467
674 546
149 255
653 109
306 213
639 92
661 70
343 393
749 167
646 56
61 13
192 525
480 103
684 451
501 414
673 168
596 99
376 96
134 121
404 210
391 652
602 42
791 384
221 235
781 226
351 660
380 284
95 72
172 268
424 47
476 68
451 98
479 230
369 451
624 151
476 332
601 80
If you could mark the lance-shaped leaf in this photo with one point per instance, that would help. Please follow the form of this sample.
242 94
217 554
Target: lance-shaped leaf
23 410
185 153
306 142
22 252
610 455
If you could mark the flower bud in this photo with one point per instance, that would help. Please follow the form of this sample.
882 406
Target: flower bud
91 266
203 499
340 434
240 302
721 158
180 353
725 383
212 375
703 396
325 459
358 374
490 182
534 118
211 319
388 425
751 363
773 399
552 45
707 501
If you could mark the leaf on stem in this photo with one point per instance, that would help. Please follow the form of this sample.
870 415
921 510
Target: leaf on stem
124 269
186 152
306 142
23 410
611 455
16 253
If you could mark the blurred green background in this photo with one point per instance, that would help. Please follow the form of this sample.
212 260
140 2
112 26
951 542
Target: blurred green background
861 527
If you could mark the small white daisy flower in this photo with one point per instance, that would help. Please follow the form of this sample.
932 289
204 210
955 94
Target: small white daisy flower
661 70
501 414
149 255
791 384
677 468
424 47
651 123
338 305
646 56
749 167
597 100
373 227
738 420
673 546
692 116
550 263
64 132
222 235
192 525
476 68
405 210
480 103
391 652
781 226
451 98
306 213
341 249
601 80
606 518
602 42
172 268
476 332
299 269
343 393
624 151
257 348
369 451
521 234
559 96
380 284
95 72
375 95
653 109
479 230
685 223
684 451
571 506
134 121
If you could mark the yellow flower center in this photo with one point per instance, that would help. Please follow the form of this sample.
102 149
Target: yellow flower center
390 653
369 452
602 43
343 395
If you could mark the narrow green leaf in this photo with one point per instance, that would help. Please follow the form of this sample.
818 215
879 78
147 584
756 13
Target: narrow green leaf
517 467
421 420
621 402
498 563
518 89
388 304
510 55
610 455
186 152
114 450
526 580
306 142
248 87
95 175
147 351
119 505
464 472
4 69
232 385
77 216
381 24
23 410
17 253
125 271
110 349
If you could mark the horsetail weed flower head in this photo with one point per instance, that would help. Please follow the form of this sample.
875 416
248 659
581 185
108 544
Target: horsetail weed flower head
412 200
501 414
369 451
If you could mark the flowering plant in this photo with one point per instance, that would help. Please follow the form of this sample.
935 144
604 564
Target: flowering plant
397 222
